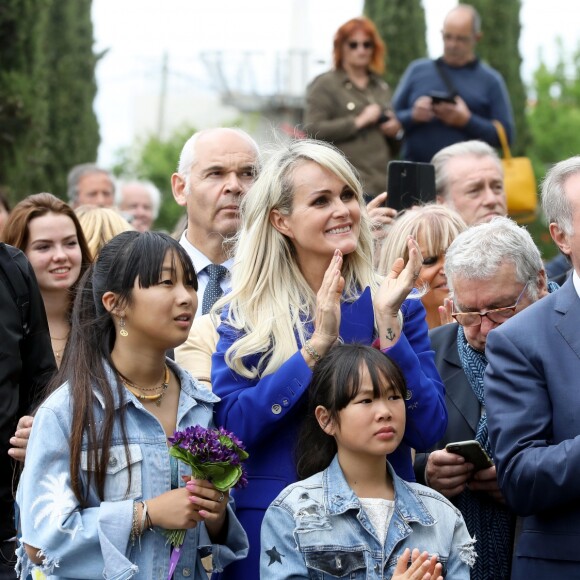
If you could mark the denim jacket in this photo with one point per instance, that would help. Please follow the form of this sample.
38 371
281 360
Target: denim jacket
316 528
93 542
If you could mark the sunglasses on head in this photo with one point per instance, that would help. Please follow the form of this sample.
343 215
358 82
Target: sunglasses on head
353 44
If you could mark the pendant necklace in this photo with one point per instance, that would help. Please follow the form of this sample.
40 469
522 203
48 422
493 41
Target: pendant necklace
140 392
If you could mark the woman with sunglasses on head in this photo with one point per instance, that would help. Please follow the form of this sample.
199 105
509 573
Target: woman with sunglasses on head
303 280
434 227
350 105
99 486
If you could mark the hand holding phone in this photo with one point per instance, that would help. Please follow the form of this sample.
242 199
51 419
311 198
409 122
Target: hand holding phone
383 118
472 452
441 97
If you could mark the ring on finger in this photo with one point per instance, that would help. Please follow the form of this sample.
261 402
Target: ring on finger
221 497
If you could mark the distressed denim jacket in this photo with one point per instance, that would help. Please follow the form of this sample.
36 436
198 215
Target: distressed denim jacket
317 529
93 542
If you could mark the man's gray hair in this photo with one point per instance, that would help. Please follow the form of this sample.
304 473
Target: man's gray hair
78 172
150 187
463 149
187 156
478 253
555 203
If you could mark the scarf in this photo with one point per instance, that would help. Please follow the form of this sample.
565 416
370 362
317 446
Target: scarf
489 522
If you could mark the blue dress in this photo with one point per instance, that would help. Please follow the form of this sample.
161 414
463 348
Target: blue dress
266 413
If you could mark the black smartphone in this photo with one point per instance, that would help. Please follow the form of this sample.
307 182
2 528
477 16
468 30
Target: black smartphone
472 451
383 118
441 97
410 183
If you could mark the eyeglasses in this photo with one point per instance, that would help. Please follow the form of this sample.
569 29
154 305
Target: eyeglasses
353 44
497 315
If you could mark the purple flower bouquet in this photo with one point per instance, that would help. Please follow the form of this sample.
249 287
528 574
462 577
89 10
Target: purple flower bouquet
212 454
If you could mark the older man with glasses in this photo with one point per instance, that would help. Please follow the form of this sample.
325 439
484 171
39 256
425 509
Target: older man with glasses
494 271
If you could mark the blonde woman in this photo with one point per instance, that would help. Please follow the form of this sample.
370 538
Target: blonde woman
101 224
302 281
434 227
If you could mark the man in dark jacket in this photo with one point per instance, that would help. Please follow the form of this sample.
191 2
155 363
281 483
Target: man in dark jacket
26 364
494 271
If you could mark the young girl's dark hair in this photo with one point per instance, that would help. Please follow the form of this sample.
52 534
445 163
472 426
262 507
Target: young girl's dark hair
126 258
336 380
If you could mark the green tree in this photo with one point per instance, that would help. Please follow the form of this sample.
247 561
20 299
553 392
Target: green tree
73 128
554 122
499 47
554 118
23 93
47 89
155 159
401 23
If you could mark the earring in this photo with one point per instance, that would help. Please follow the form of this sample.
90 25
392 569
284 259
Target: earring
122 332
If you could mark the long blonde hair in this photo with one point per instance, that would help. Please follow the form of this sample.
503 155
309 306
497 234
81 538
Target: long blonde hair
435 224
271 302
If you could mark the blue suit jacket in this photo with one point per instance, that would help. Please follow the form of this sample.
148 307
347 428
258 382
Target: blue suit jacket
266 413
532 393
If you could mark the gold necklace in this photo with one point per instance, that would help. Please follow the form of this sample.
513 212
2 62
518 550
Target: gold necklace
58 352
157 397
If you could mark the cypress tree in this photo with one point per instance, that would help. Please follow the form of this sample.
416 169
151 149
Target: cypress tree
73 127
23 91
499 48
401 23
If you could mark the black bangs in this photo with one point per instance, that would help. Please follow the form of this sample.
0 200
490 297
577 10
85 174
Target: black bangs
143 256
337 378
382 372
133 255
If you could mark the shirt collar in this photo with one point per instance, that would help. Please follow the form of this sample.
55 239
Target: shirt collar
199 259
339 497
576 280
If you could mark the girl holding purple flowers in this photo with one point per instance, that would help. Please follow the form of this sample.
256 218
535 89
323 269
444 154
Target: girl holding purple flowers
100 486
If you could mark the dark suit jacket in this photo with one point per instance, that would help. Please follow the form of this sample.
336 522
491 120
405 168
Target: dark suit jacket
463 409
532 392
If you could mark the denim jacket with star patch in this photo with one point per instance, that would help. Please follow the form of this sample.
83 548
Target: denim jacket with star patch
93 542
317 528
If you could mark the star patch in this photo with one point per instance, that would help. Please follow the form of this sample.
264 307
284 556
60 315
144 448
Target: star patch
275 556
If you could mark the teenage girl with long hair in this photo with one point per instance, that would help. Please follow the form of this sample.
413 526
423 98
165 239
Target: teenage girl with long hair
47 230
352 515
99 485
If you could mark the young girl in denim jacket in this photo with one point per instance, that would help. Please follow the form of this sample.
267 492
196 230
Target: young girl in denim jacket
353 516
99 486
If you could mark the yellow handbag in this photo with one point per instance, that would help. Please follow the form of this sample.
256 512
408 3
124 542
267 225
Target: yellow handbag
519 182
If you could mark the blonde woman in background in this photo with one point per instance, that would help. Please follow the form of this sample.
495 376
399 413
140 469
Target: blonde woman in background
434 227
100 224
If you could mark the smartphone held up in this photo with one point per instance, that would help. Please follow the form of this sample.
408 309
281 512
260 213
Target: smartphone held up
410 183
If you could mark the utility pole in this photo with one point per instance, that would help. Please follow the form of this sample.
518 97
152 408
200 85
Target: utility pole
162 96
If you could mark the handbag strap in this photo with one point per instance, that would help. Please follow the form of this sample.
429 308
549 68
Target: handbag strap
507 154
445 76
